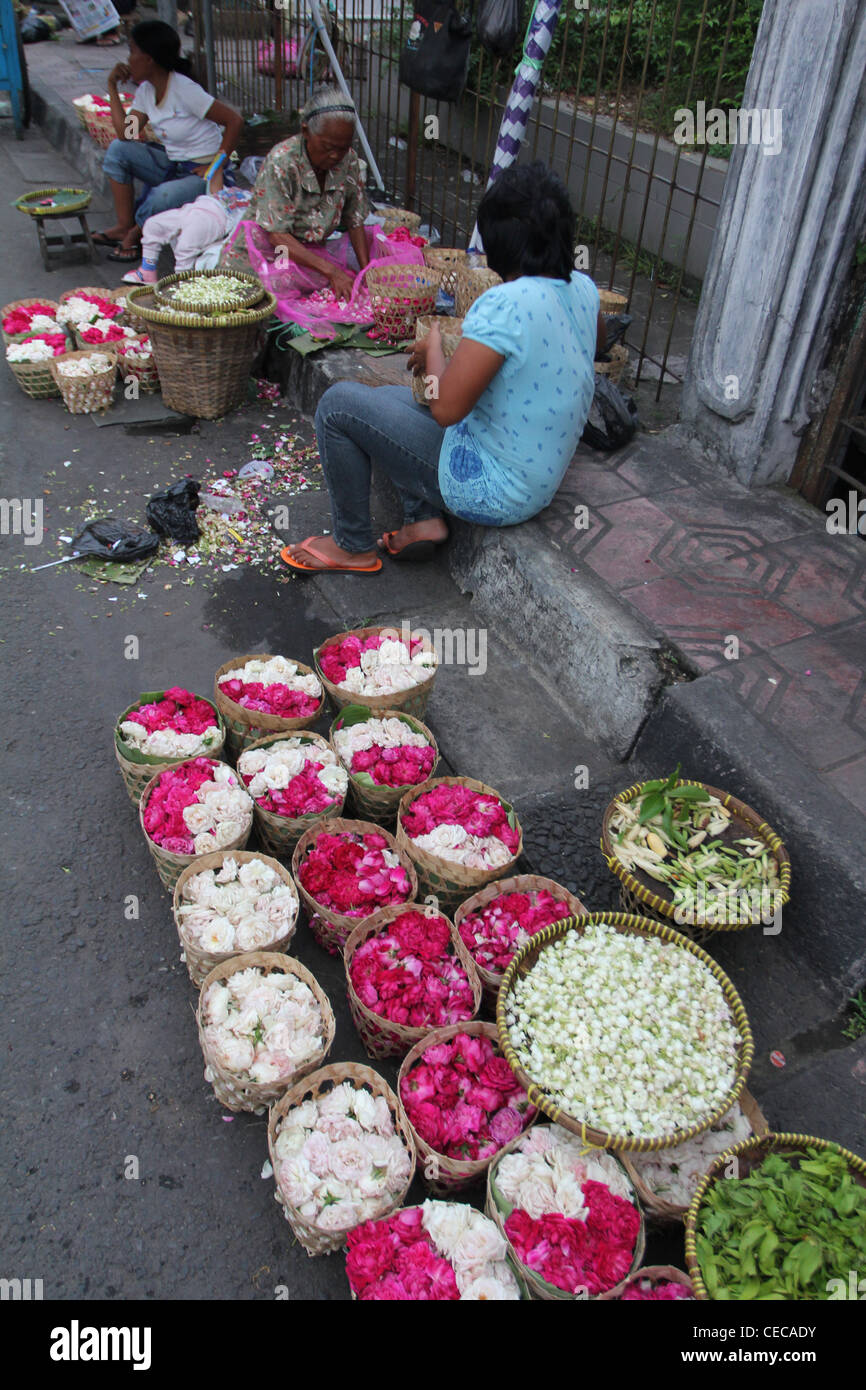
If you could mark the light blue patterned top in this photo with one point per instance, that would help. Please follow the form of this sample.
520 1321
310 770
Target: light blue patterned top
504 462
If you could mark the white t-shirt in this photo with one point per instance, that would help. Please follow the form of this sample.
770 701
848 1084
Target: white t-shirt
179 120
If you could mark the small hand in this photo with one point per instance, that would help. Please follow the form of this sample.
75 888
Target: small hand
341 283
119 73
418 352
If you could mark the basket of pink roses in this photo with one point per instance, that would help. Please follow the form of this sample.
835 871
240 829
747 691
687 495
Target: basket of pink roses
295 782
569 1214
407 971
342 1153
442 1251
345 871
459 834
661 1283
385 753
160 729
264 1022
190 809
463 1103
495 923
259 694
230 902
381 668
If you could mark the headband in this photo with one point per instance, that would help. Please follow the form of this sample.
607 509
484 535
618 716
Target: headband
322 110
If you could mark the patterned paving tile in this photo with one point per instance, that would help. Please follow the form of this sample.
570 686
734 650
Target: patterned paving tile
683 610
850 781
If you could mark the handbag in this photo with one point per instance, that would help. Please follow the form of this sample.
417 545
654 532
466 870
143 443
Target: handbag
435 57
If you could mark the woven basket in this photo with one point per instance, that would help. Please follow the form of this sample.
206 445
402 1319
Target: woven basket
451 331
110 295
750 1155
128 315
145 373
411 701
611 301
374 802
632 926
520 883
515 1269
137 769
445 259
280 834
381 1037
398 295
36 379
204 363
448 882
333 929
655 897
71 200
86 394
22 304
256 1096
618 364
246 726
470 282
200 963
170 866
252 292
443 1175
499 1210
77 102
314 1240
100 127
656 1274
392 218
662 1212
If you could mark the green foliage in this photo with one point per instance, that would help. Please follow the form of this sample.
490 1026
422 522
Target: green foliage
856 1026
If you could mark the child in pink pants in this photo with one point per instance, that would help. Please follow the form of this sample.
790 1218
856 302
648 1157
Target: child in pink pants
189 230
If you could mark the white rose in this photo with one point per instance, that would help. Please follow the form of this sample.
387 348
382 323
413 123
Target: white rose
489 1290
446 1224
232 1053
198 819
364 1107
252 933
478 1246
228 872
290 1141
228 831
219 936
216 1003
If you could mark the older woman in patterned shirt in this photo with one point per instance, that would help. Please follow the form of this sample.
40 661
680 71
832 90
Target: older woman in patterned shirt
309 187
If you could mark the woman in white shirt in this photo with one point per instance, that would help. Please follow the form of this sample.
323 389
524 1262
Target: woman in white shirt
185 119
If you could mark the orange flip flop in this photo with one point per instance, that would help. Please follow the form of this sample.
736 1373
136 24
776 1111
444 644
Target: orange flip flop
327 566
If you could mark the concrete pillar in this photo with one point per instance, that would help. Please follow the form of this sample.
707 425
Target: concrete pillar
788 226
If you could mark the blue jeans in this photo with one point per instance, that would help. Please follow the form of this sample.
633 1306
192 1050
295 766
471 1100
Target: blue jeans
357 426
170 183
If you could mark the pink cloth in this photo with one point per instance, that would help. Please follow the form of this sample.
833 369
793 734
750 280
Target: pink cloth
189 229
291 284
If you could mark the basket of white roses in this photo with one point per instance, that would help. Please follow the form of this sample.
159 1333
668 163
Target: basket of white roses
264 1022
295 782
460 835
381 668
385 753
86 380
160 729
230 902
193 808
342 1153
659 1045
30 359
569 1214
259 694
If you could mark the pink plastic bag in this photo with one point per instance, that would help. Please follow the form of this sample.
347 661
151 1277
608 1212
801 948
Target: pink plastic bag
265 53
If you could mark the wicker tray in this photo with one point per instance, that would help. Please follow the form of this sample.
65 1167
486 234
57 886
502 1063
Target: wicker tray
170 866
470 282
655 897
256 1096
280 834
750 1155
399 294
252 292
372 801
314 1240
411 701
136 768
333 929
63 201
448 882
635 926
443 1175
86 394
381 1037
245 726
200 963
520 883
451 331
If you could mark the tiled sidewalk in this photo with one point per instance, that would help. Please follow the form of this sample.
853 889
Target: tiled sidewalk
704 561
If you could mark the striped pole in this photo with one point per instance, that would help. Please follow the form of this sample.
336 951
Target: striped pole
516 114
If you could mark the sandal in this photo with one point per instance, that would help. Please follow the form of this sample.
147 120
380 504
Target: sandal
101 239
124 257
326 566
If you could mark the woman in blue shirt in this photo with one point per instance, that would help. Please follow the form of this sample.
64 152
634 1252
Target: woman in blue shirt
507 412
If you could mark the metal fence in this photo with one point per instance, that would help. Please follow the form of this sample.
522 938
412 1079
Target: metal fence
604 119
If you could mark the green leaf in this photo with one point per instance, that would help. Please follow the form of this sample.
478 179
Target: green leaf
651 806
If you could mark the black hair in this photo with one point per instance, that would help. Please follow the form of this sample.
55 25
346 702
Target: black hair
527 223
161 43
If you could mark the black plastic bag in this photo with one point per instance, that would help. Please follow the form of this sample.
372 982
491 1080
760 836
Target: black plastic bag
615 326
172 513
499 25
613 417
107 539
34 28
435 58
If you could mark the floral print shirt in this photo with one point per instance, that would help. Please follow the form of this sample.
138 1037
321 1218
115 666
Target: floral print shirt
287 197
